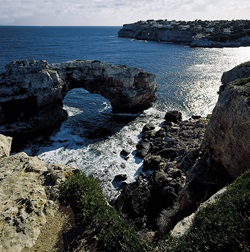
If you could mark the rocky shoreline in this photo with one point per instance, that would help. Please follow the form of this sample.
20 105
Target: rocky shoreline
184 163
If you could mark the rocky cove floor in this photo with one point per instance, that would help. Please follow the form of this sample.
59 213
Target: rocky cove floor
176 175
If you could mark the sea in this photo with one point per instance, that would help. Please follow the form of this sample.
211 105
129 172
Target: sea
93 137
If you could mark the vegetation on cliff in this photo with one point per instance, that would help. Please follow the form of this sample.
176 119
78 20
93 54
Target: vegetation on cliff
222 226
98 223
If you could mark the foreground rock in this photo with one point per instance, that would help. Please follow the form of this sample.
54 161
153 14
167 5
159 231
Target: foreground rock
29 197
31 92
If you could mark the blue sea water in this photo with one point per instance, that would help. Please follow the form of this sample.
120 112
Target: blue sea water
92 137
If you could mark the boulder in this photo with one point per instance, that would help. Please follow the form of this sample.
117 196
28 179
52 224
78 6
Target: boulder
173 116
31 92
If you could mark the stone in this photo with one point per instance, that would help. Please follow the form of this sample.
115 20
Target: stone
238 72
153 162
142 148
173 116
124 153
120 177
148 127
31 92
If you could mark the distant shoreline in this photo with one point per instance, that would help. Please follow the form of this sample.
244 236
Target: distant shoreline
196 33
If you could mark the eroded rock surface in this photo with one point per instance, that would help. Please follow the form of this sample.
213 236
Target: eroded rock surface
28 196
31 92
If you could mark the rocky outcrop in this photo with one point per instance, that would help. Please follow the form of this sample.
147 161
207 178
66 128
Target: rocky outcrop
168 153
29 196
146 32
227 134
31 92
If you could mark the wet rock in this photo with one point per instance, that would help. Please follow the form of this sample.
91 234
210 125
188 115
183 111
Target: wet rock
120 177
142 148
195 117
148 127
153 162
124 153
173 116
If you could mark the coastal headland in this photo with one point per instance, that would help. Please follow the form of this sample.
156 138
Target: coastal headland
198 33
186 166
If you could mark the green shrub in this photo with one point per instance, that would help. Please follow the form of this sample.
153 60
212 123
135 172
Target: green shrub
222 226
101 221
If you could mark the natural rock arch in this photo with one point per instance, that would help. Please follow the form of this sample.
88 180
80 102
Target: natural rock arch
31 92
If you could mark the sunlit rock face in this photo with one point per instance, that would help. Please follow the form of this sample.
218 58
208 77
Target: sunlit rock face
29 196
227 134
31 92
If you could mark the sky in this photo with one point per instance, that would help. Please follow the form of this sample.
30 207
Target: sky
117 13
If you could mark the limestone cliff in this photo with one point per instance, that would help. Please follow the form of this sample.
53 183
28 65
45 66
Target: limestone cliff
227 134
31 92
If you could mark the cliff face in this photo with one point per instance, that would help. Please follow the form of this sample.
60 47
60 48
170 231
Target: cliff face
227 134
31 92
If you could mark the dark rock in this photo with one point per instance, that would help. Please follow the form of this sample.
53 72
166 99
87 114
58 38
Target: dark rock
148 127
195 117
167 153
153 162
120 177
173 116
160 178
142 148
133 201
124 153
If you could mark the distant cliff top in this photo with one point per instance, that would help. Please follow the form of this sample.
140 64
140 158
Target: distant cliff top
216 33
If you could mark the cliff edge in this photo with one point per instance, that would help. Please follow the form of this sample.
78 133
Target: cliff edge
227 135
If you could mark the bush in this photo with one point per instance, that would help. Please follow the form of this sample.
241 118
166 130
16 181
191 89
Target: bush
100 221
